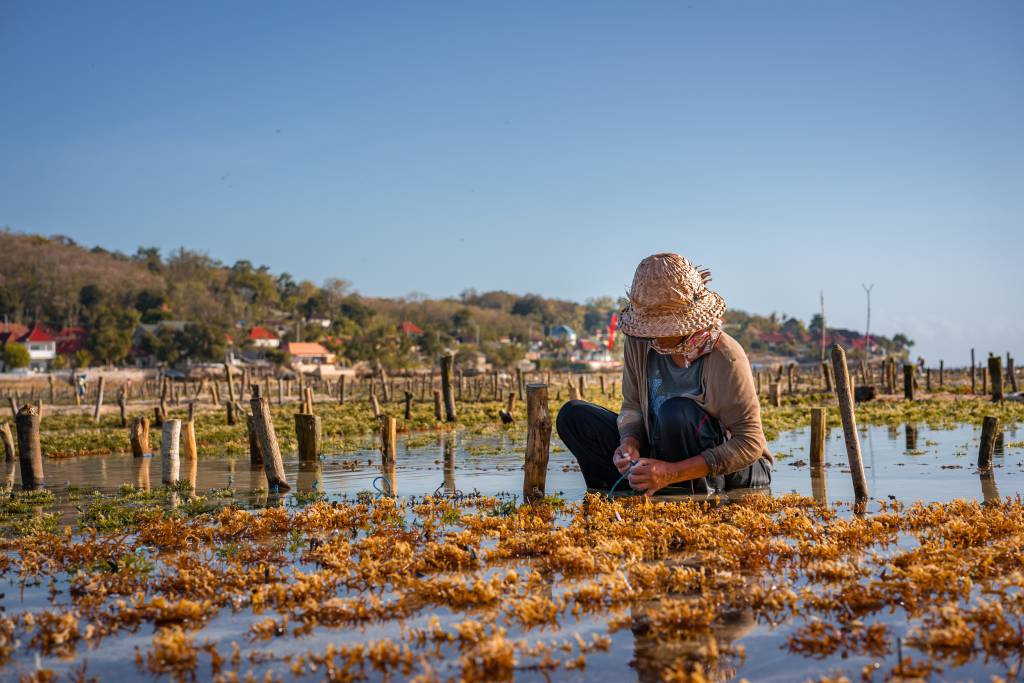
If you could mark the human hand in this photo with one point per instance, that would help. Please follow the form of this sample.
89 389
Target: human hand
627 452
649 475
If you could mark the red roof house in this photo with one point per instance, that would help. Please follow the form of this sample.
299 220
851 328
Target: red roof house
263 338
410 328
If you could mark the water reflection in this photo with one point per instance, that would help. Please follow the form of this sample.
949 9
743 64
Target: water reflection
911 436
989 489
141 473
483 464
818 488
653 655
449 465
311 477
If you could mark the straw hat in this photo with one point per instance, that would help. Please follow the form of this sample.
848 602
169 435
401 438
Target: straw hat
669 297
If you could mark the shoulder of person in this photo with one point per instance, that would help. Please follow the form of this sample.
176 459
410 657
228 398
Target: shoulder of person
728 350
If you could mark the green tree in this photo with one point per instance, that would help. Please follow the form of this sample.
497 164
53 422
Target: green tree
200 342
16 356
111 338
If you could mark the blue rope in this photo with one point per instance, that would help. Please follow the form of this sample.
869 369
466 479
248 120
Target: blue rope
381 492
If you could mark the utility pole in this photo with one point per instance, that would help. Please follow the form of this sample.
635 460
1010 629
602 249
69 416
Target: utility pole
867 327
822 295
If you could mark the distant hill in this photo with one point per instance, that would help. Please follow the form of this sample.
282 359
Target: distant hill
57 282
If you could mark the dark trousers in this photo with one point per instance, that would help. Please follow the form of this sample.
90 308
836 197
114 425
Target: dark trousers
684 430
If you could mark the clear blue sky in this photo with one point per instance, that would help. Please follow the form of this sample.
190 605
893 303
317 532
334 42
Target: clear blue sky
544 147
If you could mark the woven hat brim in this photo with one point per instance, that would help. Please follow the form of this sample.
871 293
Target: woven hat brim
705 313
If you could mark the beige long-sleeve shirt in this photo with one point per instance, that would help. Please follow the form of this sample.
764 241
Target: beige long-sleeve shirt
729 395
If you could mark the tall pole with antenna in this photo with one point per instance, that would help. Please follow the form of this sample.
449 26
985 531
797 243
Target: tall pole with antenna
822 295
867 326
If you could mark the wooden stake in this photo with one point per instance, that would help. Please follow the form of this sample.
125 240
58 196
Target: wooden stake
308 434
447 360
269 447
188 443
817 438
169 452
508 415
408 405
341 390
995 374
9 448
99 400
437 404
908 381
942 374
538 439
974 385
989 429
139 436
255 454
846 412
30 453
775 394
388 440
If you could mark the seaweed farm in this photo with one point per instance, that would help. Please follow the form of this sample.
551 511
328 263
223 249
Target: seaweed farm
436 569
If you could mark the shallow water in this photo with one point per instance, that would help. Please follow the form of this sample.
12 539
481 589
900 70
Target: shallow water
906 462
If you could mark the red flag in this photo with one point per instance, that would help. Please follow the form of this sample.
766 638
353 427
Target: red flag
611 332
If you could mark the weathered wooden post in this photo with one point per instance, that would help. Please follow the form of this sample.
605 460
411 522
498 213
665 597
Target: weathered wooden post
601 380
139 436
447 360
817 438
408 405
508 414
30 453
775 394
341 390
519 382
269 447
231 418
826 374
308 434
165 387
14 406
169 452
99 399
942 374
984 379
1011 373
987 446
255 454
995 373
122 406
388 440
384 388
538 439
375 404
846 412
188 441
974 385
437 404
53 390
928 380
229 376
574 391
790 377
908 381
9 448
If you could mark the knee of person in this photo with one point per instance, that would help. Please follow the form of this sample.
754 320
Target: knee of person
677 412
569 413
